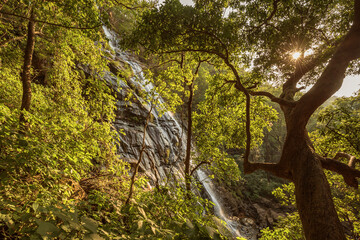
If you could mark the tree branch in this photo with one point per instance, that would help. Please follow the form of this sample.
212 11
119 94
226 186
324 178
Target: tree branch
197 166
5 42
352 159
211 35
272 14
332 77
280 101
349 174
274 168
289 87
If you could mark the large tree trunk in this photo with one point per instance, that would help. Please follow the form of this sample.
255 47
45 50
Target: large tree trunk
25 75
312 191
313 196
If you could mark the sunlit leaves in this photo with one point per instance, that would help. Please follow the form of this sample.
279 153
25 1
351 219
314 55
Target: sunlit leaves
339 126
220 123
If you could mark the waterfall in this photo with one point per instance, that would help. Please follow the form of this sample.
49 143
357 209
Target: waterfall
165 146
163 134
218 208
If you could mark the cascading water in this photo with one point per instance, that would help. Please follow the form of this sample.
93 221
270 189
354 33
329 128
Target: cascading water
219 211
162 136
164 144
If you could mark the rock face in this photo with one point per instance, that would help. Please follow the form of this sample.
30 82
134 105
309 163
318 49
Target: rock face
164 149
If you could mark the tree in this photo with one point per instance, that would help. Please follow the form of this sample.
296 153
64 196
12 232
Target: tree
326 38
337 126
85 15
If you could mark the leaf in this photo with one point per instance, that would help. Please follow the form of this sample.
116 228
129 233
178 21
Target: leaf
140 224
66 227
153 229
23 143
141 210
62 216
35 237
7 219
35 206
89 224
92 236
47 229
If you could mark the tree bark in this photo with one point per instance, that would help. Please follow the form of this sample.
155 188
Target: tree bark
25 75
189 137
137 166
299 160
312 191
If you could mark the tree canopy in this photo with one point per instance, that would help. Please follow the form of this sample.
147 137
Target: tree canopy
61 174
259 38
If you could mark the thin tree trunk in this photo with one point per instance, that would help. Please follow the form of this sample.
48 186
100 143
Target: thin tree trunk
25 75
136 170
189 138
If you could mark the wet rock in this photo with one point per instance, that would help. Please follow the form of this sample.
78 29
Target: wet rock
247 221
164 140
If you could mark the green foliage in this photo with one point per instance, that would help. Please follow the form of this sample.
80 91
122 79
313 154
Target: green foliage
70 135
289 31
260 184
150 212
285 228
69 139
219 124
339 127
122 18
240 31
62 178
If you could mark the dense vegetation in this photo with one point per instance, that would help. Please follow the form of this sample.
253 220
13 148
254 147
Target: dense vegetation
214 64
60 175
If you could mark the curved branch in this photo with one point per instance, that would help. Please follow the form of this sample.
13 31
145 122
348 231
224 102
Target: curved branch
248 167
304 68
197 166
211 35
272 14
274 168
280 101
349 174
240 86
332 77
352 159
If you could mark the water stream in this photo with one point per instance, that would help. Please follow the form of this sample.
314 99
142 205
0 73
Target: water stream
218 208
163 121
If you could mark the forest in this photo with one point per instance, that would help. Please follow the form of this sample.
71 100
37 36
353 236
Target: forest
175 119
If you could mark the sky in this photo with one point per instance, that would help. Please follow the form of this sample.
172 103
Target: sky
184 2
350 85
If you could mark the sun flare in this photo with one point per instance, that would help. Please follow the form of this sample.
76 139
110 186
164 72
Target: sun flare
296 55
